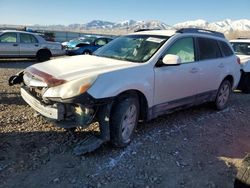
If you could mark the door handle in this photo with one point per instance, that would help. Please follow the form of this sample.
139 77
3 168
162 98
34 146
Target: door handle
221 65
36 45
194 70
15 44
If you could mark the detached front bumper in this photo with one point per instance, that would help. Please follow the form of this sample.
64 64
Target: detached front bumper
55 111
78 111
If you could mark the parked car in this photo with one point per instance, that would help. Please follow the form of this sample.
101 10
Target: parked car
86 45
136 77
74 42
27 45
242 50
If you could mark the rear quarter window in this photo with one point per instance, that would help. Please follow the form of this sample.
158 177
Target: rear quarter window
226 50
208 49
27 38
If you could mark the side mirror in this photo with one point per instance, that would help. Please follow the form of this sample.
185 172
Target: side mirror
170 59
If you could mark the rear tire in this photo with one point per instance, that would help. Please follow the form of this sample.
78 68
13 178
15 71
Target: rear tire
242 179
223 95
123 121
43 55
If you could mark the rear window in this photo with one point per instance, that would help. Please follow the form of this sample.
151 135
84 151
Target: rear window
226 50
208 49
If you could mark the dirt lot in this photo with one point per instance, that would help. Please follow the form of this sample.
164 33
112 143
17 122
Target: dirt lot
198 147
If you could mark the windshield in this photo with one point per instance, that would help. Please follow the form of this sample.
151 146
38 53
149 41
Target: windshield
241 48
135 48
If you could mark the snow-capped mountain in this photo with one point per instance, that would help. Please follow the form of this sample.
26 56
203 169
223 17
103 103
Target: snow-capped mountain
128 25
196 23
131 25
151 25
98 24
222 26
125 24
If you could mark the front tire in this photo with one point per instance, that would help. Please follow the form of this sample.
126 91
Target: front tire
123 121
223 95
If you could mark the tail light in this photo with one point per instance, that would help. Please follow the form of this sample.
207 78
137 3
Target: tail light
238 60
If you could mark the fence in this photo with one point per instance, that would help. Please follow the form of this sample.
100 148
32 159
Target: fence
58 36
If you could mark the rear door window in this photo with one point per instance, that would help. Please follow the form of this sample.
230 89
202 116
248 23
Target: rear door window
27 38
208 49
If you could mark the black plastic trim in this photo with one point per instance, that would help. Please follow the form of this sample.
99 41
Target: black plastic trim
201 31
172 106
85 99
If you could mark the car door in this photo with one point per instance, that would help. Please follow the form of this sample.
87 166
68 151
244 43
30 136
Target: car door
211 65
29 45
177 85
9 46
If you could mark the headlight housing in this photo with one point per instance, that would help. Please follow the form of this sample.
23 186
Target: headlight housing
70 89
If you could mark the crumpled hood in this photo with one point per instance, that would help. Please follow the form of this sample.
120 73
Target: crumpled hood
70 68
244 58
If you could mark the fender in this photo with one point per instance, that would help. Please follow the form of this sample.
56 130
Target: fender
113 83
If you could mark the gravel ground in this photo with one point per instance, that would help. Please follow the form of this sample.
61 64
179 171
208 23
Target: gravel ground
198 147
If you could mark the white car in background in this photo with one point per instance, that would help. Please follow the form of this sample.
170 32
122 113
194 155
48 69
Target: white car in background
27 45
135 77
242 50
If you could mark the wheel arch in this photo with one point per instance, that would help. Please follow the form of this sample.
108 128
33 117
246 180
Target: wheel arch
143 103
42 50
230 78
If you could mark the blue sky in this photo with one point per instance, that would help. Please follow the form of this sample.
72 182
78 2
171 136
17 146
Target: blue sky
47 12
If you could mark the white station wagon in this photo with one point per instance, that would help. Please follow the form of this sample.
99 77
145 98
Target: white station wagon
136 77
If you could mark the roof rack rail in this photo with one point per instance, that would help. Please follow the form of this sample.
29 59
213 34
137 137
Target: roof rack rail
202 31
139 30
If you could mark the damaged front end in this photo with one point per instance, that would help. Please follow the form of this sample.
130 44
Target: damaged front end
66 113
79 111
